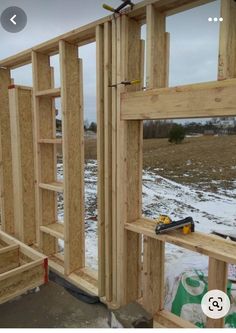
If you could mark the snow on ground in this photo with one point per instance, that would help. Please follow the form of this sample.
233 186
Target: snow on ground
210 211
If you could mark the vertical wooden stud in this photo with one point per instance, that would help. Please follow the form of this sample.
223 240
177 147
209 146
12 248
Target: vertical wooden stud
114 163
100 159
23 163
217 279
73 156
108 156
157 49
157 77
6 182
218 270
129 164
227 52
104 148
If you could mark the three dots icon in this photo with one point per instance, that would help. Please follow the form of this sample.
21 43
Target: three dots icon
215 19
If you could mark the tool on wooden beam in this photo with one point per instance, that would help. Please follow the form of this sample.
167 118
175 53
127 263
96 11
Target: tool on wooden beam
118 9
125 83
165 224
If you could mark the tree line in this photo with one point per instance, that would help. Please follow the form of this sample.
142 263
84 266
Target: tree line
158 129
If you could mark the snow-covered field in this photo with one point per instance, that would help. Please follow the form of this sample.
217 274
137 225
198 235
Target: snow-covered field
210 211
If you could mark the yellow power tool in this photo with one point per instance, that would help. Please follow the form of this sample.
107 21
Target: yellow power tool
165 224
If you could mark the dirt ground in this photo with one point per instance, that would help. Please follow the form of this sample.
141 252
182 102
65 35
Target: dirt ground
52 307
200 161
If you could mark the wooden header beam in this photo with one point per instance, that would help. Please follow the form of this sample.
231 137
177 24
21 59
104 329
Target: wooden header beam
212 99
86 34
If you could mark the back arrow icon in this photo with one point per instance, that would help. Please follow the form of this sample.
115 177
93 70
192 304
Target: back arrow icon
12 19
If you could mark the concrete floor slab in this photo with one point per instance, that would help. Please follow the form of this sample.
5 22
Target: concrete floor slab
52 307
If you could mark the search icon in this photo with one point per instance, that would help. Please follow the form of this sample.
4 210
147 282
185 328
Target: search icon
215 304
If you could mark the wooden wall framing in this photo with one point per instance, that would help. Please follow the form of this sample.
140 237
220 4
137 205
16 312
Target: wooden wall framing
21 268
22 143
124 274
6 180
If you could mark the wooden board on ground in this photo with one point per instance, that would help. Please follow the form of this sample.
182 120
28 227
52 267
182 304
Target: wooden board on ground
21 268
166 319
84 279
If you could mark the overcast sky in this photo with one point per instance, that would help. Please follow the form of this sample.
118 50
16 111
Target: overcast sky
194 40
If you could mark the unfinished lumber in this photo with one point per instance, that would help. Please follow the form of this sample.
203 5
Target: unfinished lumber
100 158
218 270
54 186
73 155
82 278
45 157
209 245
51 141
129 165
86 34
20 280
157 49
21 117
108 156
157 77
17 275
9 258
227 47
6 182
54 229
203 100
54 92
166 319
217 279
114 163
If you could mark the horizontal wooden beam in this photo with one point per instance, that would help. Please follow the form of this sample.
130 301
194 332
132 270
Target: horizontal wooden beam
55 92
9 258
26 250
86 34
211 99
169 7
209 245
81 278
167 319
56 186
55 229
